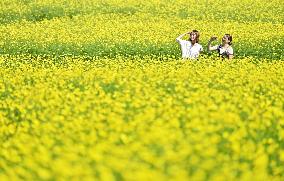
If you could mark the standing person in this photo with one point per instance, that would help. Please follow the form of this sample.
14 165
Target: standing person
190 48
225 49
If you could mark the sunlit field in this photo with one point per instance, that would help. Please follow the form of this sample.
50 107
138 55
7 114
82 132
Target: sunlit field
96 90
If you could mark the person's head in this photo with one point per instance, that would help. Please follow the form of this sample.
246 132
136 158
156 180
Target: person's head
194 36
227 39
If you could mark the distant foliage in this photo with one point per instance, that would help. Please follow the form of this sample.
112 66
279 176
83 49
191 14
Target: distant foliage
96 90
138 28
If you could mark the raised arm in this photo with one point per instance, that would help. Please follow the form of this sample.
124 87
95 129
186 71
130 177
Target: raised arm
179 38
209 47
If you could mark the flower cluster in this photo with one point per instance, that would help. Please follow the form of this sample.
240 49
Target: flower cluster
96 91
111 28
120 119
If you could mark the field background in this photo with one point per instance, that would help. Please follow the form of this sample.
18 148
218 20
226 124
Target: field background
110 28
96 90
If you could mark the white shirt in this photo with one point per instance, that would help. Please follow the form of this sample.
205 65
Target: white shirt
188 50
224 52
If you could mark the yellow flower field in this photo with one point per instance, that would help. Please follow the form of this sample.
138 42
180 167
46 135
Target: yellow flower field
96 90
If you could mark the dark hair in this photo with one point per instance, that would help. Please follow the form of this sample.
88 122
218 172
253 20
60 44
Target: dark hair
197 35
230 38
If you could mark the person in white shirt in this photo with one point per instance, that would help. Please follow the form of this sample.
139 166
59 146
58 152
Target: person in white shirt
225 49
190 48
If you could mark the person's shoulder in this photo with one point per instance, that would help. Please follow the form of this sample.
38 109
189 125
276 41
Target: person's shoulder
230 50
183 41
199 44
